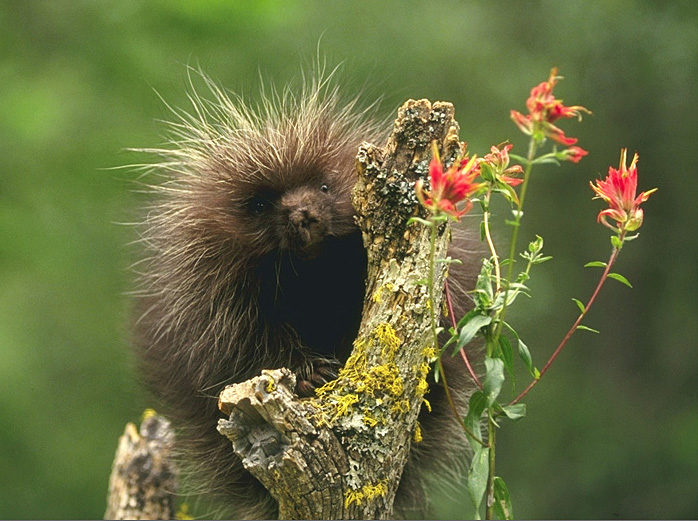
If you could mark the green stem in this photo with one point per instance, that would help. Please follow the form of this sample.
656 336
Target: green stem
532 148
489 494
604 276
490 243
432 319
491 425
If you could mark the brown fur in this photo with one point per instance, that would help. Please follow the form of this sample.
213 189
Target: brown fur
255 262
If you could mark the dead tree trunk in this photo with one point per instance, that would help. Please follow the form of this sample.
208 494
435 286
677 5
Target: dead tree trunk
341 454
143 481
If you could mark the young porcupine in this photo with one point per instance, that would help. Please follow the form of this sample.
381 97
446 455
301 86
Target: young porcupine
255 262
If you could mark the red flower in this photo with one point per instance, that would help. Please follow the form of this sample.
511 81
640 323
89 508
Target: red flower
618 190
451 187
574 154
544 110
495 166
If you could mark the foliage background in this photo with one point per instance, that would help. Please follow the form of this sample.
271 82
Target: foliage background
611 434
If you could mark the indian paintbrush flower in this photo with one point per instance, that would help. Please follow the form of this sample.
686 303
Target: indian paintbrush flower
619 191
573 153
450 187
495 166
544 110
495 170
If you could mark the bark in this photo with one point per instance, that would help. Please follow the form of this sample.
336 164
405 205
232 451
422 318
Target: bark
340 455
143 482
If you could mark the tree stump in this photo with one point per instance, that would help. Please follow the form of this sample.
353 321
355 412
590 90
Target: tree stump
340 455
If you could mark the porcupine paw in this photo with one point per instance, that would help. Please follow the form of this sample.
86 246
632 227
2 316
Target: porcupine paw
318 374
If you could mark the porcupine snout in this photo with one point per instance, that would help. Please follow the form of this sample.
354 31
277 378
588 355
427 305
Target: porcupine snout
307 221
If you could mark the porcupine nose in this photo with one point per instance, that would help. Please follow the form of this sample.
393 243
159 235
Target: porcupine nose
302 218
306 227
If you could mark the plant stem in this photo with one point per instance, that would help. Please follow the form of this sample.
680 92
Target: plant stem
491 425
489 494
432 318
532 148
604 276
462 352
490 243
432 313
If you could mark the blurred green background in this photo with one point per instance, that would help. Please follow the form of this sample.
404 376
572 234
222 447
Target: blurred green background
612 433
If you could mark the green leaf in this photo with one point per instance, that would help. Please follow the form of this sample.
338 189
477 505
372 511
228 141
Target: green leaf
494 379
515 412
483 235
473 420
616 242
620 278
536 245
420 221
477 478
585 328
470 329
525 356
502 500
595 264
466 318
581 306
507 354
449 260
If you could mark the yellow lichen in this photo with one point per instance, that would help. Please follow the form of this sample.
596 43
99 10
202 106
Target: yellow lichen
370 421
148 413
344 403
427 404
422 386
183 512
417 433
377 297
384 377
271 386
365 493
388 339
429 353
400 407
355 381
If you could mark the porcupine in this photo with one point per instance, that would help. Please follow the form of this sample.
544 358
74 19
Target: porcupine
254 261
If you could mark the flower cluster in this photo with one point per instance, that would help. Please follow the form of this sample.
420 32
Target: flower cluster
451 187
497 163
619 191
543 111
457 184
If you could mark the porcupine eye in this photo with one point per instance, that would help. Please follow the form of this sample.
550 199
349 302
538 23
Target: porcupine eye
324 188
258 205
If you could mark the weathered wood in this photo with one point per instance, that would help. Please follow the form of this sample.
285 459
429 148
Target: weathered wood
143 482
340 455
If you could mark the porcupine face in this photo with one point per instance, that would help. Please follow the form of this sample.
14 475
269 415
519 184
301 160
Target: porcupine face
297 216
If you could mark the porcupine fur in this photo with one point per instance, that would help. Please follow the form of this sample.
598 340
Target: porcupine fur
253 262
